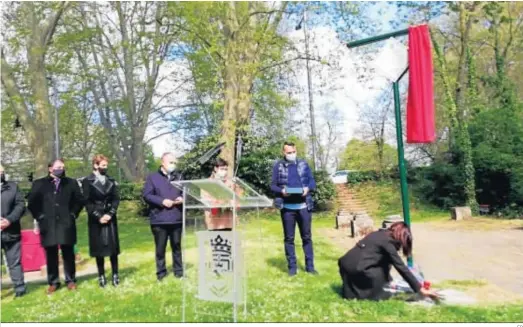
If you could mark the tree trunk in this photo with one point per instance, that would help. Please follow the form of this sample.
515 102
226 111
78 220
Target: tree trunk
44 147
37 124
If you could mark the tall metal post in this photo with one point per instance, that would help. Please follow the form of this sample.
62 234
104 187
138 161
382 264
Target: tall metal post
399 129
401 158
235 259
309 84
184 257
56 136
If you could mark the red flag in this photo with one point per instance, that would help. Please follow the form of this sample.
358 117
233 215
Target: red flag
420 103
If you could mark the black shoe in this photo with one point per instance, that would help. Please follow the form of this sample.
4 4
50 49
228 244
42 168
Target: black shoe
178 275
312 272
116 280
20 293
160 278
102 281
292 273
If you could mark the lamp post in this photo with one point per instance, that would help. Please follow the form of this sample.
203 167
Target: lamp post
56 136
309 84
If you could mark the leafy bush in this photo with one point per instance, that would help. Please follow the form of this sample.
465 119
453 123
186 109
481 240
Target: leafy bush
325 191
440 184
133 192
130 191
357 177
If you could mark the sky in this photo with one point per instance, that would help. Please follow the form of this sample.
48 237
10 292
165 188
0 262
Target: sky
347 89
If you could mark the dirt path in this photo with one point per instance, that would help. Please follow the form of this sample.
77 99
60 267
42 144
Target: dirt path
450 250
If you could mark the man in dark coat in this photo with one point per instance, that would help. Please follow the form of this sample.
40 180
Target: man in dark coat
55 201
101 203
165 202
13 208
289 174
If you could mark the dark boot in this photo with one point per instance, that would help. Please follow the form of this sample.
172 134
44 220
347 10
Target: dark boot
102 281
116 280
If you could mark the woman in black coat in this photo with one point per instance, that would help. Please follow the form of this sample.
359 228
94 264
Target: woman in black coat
101 202
365 269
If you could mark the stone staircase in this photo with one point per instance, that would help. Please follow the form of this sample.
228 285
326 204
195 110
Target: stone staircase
352 217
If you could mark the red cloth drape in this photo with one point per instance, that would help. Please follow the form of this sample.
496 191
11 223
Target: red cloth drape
420 102
33 254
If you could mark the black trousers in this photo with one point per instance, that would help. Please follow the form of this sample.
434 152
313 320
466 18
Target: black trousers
51 256
13 257
173 233
100 264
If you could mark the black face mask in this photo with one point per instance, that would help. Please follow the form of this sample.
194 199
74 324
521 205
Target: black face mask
102 171
2 177
59 173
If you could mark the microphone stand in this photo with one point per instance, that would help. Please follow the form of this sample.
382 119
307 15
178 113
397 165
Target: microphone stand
239 146
213 152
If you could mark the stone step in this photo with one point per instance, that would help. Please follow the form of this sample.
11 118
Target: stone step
361 227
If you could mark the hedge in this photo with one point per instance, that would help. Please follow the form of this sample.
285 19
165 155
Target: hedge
357 177
323 197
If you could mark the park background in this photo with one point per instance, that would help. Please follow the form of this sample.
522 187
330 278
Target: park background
132 80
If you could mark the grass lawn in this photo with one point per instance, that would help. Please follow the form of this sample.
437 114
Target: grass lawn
272 295
384 199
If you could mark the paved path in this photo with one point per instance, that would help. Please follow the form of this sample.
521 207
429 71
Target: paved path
496 256
457 251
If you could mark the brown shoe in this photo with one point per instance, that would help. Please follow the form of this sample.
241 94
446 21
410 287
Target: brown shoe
71 286
51 289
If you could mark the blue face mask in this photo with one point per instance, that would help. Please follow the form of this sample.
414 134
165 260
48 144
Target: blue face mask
291 157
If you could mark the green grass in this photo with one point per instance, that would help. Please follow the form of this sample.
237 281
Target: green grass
384 199
461 284
272 295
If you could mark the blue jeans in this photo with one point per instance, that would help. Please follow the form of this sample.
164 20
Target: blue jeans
304 219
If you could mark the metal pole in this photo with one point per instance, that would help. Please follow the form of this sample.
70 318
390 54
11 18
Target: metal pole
309 83
57 140
377 38
56 137
401 159
184 257
234 261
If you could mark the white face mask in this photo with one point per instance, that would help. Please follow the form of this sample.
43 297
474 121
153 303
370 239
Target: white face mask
291 157
221 174
171 168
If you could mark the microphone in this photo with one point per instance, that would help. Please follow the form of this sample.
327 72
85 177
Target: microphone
211 153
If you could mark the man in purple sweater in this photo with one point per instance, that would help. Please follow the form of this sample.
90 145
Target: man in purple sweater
165 203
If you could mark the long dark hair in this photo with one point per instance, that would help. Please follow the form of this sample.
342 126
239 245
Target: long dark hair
401 233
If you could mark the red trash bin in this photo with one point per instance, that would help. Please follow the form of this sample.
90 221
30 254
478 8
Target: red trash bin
33 254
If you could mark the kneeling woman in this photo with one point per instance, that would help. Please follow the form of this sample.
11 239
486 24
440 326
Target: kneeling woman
365 269
102 199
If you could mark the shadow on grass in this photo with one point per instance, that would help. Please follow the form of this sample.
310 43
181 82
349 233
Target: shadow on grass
281 264
337 288
31 285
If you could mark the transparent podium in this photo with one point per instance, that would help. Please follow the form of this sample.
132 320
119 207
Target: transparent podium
215 274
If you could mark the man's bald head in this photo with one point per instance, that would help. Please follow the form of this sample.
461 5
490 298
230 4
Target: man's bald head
169 162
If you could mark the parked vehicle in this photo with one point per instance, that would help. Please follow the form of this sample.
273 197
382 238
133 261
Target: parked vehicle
340 177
